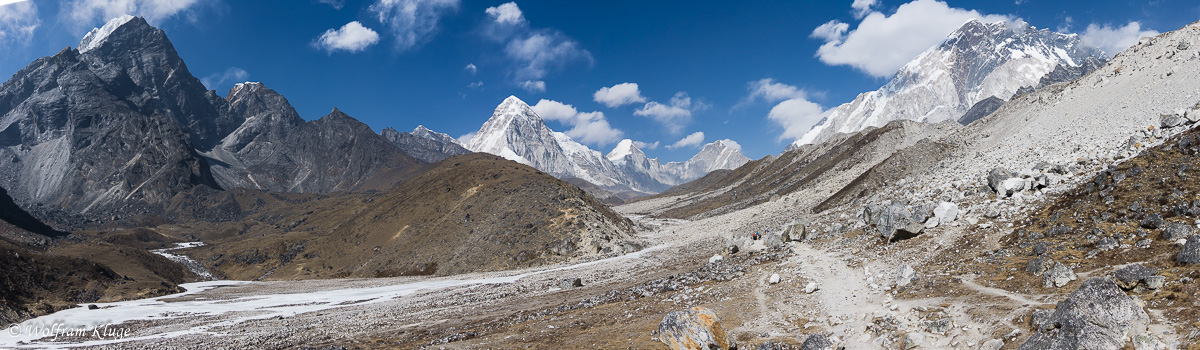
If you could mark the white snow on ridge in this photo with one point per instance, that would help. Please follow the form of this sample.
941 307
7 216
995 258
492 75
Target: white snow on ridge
94 38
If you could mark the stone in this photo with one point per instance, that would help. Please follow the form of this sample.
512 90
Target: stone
1058 275
939 326
1040 319
774 278
913 340
797 231
905 275
1155 282
811 287
1148 342
1152 221
1129 276
893 218
996 178
1039 266
945 212
1176 231
1098 315
1170 120
570 283
695 328
1013 185
1107 243
931 223
93 307
715 259
817 342
1190 254
994 344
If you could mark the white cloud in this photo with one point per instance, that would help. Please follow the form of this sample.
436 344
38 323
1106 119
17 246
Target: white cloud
796 116
675 115
231 74
862 7
646 145
466 138
471 68
475 85
85 13
619 95
693 140
533 85
533 53
769 90
1114 40
336 4
412 22
507 13
541 52
881 44
589 127
833 30
352 37
17 22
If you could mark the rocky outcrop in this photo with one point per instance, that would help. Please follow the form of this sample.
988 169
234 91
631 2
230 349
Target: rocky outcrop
1098 315
696 328
424 144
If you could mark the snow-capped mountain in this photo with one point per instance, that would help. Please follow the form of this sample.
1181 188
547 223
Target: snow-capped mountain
424 144
517 133
976 62
721 154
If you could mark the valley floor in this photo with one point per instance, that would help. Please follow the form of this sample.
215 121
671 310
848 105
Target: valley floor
841 286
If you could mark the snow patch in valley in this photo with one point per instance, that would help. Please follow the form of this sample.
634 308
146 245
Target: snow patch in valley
238 309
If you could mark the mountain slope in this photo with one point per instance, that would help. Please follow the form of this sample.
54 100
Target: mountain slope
108 132
473 212
274 149
424 144
977 61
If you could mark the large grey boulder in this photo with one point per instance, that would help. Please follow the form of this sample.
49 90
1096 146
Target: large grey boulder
1190 254
797 230
996 179
895 218
695 328
1176 231
1098 315
816 342
1129 276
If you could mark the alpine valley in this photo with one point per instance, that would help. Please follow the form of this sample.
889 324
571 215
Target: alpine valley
1008 188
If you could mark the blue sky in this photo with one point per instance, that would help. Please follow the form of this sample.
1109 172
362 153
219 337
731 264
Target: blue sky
704 70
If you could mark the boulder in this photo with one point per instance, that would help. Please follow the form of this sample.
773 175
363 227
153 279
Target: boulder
570 283
996 179
1013 185
1129 276
797 230
1176 231
695 328
905 275
1152 221
1098 315
1039 266
817 342
1170 120
1155 282
774 278
894 217
1058 275
945 212
1107 243
1190 254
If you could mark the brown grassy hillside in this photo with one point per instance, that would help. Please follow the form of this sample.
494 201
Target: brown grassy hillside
472 212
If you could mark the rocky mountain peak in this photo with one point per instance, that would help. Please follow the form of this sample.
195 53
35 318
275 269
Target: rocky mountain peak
975 62
624 149
98 36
